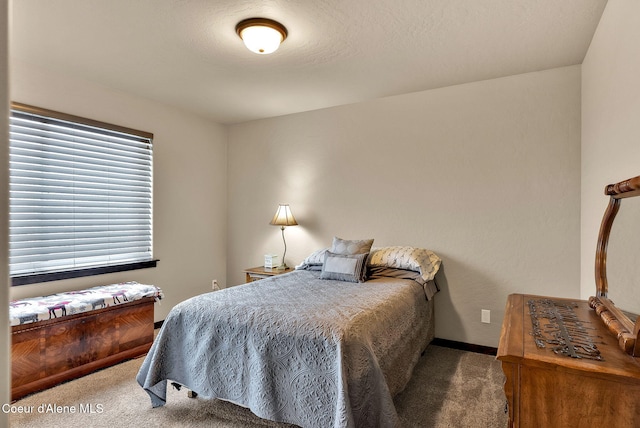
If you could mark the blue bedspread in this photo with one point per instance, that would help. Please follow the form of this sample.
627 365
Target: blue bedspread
295 348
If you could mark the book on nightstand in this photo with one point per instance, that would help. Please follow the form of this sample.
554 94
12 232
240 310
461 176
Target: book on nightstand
271 261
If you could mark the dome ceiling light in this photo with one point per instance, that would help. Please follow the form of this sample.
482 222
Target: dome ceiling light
261 35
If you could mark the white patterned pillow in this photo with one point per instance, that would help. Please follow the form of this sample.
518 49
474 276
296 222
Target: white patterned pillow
314 261
344 267
416 259
345 246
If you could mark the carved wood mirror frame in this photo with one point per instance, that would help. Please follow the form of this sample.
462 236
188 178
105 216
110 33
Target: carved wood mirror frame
625 329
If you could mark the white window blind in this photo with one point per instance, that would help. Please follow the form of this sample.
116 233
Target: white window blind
80 194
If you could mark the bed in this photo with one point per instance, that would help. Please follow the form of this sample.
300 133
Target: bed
308 348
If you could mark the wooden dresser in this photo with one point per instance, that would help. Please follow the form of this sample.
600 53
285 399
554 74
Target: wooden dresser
546 389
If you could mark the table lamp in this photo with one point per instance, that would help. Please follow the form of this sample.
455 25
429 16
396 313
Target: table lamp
283 218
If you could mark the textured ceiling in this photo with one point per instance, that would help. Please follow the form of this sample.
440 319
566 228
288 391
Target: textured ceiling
186 52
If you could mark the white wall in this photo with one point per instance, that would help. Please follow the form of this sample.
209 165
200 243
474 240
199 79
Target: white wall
5 355
485 174
610 120
189 179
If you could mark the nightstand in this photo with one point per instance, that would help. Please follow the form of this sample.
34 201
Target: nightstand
261 272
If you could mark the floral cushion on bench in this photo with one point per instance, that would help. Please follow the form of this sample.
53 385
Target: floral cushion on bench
43 308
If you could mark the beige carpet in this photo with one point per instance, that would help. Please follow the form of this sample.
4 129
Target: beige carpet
450 388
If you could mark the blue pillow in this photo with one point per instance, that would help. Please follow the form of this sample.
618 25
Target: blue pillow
344 267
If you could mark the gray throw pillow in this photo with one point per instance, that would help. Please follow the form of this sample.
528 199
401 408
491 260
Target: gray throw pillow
344 267
345 246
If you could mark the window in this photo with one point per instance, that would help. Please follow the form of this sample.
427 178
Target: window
80 197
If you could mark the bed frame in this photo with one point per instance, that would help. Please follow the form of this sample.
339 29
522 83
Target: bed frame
46 353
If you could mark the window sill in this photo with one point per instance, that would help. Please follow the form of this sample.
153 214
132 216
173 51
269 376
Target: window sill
56 276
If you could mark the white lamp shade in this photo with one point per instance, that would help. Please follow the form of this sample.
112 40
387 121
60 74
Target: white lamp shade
283 217
261 40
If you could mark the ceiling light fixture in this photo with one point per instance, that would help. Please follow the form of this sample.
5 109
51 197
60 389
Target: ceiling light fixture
261 35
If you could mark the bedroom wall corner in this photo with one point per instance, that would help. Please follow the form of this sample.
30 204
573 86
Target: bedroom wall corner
610 125
5 340
485 174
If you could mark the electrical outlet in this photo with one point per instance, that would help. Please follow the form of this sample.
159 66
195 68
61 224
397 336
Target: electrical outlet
214 285
485 316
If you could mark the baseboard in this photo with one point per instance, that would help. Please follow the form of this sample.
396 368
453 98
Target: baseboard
479 349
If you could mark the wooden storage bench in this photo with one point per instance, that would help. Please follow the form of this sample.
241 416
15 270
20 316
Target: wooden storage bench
47 352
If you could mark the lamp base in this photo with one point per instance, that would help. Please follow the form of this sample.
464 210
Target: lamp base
283 266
